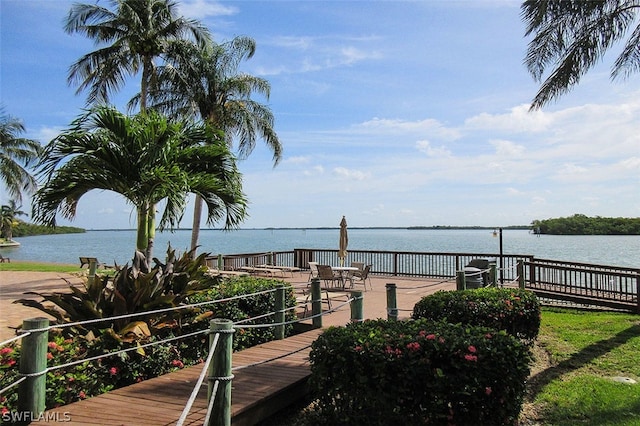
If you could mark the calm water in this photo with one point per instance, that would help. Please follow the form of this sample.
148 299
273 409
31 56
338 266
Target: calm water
118 246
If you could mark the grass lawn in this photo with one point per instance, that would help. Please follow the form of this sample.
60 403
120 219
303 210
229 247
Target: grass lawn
578 356
38 267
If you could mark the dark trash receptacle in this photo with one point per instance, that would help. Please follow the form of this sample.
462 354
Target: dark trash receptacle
484 265
472 277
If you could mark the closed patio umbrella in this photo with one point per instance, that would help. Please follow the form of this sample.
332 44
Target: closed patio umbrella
344 241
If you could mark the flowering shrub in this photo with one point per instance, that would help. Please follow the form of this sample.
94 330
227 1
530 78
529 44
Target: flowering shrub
417 372
513 310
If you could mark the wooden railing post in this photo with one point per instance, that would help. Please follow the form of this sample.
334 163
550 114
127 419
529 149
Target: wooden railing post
316 303
460 281
520 269
93 265
357 312
220 370
279 316
392 303
33 364
493 277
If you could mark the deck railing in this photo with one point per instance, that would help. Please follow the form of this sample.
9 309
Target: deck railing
610 286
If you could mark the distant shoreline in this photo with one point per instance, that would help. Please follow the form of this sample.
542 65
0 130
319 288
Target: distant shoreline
322 228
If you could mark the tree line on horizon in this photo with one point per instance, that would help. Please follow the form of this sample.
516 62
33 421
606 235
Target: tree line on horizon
580 224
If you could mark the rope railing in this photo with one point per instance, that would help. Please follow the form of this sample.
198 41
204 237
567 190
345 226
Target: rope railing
13 339
198 385
16 383
135 314
429 285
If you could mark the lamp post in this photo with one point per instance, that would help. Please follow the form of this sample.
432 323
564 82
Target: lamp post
498 232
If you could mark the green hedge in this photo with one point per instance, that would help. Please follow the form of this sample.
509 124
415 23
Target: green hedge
515 311
417 372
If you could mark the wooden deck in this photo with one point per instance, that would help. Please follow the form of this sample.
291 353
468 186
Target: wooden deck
258 390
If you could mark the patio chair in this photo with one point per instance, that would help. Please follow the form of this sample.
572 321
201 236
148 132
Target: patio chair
358 277
359 265
326 274
306 299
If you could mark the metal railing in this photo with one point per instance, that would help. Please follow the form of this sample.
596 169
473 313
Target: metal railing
609 286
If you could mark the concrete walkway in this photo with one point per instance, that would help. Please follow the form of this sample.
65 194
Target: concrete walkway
13 285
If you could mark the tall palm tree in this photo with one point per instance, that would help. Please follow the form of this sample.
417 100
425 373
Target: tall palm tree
204 81
135 33
146 159
8 214
16 154
572 36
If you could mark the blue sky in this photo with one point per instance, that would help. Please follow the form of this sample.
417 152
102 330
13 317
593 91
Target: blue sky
391 113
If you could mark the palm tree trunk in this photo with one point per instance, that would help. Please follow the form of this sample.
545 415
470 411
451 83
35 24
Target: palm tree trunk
142 236
151 231
197 215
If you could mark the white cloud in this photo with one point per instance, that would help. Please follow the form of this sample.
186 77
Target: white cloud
506 148
427 127
518 119
301 159
200 9
47 134
439 152
345 173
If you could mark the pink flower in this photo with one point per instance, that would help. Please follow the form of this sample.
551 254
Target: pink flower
441 340
5 351
113 371
49 355
82 395
358 348
177 363
5 410
52 345
470 357
413 346
488 390
472 349
488 336
389 350
431 337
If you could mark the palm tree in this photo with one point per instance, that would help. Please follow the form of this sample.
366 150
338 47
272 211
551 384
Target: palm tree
135 32
146 159
204 81
15 154
8 214
572 36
